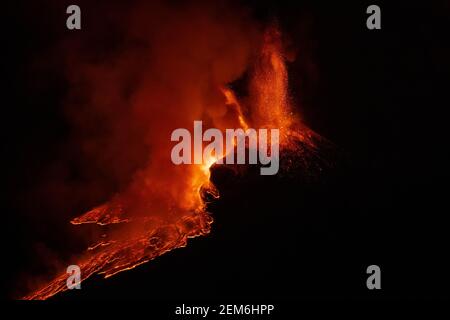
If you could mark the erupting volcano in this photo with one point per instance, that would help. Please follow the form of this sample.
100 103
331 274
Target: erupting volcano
165 204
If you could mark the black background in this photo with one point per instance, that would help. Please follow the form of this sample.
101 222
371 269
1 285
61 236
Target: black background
380 95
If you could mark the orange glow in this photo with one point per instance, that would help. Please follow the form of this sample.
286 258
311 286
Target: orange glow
166 202
208 163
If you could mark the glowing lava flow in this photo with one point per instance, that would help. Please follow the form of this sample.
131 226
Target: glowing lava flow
146 236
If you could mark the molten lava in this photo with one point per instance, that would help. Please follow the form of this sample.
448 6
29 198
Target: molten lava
157 217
